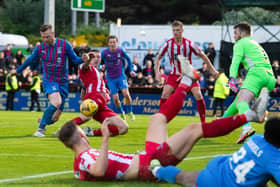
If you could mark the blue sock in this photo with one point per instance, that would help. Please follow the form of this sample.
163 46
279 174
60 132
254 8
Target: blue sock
120 110
129 108
47 116
168 174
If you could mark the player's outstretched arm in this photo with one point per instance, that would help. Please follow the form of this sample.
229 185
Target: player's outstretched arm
86 63
157 67
72 55
209 64
99 168
30 60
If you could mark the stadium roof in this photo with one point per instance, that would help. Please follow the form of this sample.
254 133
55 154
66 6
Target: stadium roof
260 3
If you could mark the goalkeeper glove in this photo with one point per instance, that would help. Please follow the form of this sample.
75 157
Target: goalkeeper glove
232 84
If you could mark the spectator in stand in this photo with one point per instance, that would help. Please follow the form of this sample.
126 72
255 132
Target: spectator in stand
150 82
8 53
12 63
30 48
221 91
2 61
204 76
210 52
275 68
135 65
74 83
276 90
11 86
149 71
25 77
150 56
139 80
136 68
210 86
35 89
20 57
2 76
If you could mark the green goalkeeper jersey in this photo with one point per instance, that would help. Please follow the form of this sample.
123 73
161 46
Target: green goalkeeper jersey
250 54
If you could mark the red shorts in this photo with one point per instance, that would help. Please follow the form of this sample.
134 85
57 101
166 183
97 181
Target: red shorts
173 81
103 110
154 151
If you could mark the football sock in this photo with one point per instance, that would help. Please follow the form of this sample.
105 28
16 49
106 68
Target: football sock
114 131
174 103
120 110
167 174
222 126
129 108
232 109
78 120
47 116
242 108
201 109
161 102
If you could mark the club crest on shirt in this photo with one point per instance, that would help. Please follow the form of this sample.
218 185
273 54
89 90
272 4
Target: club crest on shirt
59 50
119 55
58 60
42 51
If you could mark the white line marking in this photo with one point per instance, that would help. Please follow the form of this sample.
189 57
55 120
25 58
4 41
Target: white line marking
203 157
35 176
67 172
34 155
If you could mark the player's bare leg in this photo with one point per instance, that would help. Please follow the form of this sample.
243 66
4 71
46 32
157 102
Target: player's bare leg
244 97
128 102
47 119
118 105
166 92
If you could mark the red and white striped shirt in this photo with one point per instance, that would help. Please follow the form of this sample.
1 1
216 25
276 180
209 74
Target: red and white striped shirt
117 165
91 80
173 49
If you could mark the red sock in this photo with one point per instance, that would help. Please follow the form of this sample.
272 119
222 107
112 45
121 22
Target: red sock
114 131
161 102
78 120
201 109
222 126
97 132
174 103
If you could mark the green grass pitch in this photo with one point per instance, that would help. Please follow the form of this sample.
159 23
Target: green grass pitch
24 158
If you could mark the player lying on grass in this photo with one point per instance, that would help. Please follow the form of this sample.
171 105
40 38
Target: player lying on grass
91 164
95 90
254 164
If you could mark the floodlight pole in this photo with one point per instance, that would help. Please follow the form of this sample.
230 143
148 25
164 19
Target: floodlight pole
49 12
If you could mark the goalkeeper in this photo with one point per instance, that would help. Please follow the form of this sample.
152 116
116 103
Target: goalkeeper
260 74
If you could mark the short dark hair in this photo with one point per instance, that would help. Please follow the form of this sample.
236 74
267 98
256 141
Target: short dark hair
67 134
272 131
45 27
95 51
112 37
177 23
243 26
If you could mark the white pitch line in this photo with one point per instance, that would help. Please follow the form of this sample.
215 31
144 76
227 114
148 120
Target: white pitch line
34 155
35 176
203 157
67 172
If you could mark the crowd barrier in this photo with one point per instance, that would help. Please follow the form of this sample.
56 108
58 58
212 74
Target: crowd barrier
142 103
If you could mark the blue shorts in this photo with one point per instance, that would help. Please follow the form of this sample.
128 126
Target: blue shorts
117 84
212 175
52 87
